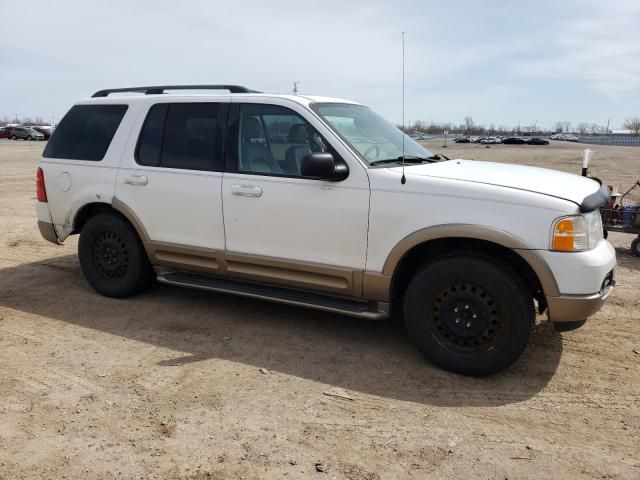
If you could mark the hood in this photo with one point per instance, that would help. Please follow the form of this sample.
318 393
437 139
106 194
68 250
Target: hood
533 179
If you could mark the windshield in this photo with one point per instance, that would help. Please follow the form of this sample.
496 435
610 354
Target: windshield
375 139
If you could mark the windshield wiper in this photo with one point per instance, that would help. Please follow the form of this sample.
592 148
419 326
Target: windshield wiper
407 159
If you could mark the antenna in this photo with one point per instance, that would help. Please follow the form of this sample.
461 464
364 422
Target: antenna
403 180
295 87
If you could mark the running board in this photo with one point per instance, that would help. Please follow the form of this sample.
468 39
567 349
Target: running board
327 303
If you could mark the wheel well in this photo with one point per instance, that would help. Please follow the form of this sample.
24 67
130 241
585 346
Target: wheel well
90 210
415 258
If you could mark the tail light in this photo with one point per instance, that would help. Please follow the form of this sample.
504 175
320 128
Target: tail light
41 190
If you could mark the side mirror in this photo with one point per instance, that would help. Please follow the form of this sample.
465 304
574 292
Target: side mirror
322 166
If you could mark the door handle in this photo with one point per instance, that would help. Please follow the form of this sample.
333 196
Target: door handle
136 179
246 190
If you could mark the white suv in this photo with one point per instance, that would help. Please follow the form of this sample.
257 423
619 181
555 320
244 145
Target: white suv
304 200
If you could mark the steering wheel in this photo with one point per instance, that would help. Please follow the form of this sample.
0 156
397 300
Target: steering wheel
371 149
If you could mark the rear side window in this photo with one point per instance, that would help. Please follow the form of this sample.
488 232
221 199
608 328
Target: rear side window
85 132
182 135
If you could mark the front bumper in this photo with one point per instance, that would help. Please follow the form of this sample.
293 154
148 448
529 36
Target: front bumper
585 281
576 308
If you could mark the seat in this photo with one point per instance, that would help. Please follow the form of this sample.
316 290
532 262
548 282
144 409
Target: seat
255 157
299 138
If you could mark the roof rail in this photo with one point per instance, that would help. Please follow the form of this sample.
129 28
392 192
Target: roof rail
159 89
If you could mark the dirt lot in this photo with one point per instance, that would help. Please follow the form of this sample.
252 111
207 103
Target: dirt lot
169 384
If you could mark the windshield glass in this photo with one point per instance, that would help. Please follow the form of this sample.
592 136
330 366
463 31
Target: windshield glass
368 133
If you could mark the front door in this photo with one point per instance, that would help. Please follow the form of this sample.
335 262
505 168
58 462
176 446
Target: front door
283 228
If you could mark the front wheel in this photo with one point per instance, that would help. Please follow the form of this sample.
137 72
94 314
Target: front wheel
112 257
13 137
635 247
28 139
469 313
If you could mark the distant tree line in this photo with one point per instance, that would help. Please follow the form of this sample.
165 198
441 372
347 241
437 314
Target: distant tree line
633 124
5 120
469 127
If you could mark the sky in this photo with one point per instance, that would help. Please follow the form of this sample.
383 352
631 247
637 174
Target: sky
500 62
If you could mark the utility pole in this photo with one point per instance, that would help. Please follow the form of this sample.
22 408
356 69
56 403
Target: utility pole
295 87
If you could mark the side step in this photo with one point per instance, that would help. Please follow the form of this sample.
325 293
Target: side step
327 303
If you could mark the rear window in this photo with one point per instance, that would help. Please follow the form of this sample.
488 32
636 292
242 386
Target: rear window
85 132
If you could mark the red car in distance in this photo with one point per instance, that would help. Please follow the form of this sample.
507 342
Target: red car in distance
5 132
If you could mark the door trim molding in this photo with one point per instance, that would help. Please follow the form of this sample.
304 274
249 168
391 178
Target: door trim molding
299 274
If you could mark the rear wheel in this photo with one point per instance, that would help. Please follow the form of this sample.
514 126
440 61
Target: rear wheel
13 137
469 314
112 257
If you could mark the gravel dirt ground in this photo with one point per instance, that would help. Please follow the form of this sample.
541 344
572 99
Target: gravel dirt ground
186 384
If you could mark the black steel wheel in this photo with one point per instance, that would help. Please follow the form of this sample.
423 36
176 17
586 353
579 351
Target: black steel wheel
635 247
465 317
112 257
469 313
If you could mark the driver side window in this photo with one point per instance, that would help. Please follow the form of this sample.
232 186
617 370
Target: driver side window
273 140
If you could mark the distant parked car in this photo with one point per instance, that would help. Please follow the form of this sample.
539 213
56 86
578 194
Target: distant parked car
5 132
513 141
44 131
537 141
462 140
490 140
25 133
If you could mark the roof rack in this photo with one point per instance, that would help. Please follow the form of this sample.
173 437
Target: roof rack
159 89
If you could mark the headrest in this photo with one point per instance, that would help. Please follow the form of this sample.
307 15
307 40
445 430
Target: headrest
251 128
298 133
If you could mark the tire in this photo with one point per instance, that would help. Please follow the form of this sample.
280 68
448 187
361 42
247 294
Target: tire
469 313
28 139
13 137
635 247
112 257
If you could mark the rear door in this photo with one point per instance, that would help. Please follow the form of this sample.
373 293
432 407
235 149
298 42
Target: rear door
170 180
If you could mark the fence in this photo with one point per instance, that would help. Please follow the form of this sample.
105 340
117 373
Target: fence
617 140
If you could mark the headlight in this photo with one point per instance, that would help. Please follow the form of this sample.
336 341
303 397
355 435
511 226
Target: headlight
577 233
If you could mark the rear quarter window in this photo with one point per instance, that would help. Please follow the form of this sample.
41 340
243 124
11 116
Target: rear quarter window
85 132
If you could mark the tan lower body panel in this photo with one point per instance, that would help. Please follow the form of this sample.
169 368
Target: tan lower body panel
571 308
187 258
306 275
346 282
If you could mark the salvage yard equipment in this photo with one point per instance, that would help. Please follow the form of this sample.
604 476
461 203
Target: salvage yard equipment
618 216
